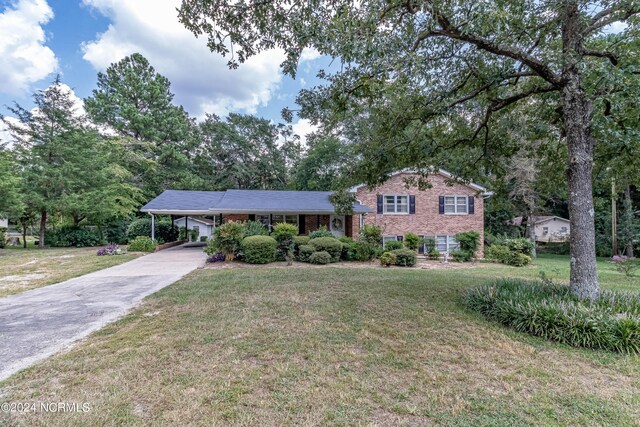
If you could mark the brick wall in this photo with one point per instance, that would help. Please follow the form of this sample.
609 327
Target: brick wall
427 220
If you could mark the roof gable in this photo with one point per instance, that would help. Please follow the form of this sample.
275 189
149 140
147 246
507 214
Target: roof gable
442 172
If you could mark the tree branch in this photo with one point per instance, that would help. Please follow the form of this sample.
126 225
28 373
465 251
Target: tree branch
601 20
601 54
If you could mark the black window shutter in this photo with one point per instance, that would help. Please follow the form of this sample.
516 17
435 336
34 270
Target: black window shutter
252 217
412 204
421 245
441 204
302 223
380 207
472 209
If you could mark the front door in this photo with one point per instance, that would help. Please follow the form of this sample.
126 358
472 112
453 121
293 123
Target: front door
337 224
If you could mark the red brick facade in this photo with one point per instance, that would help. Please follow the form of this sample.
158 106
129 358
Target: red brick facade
427 220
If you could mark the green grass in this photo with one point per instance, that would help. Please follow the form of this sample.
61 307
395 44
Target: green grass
330 346
25 269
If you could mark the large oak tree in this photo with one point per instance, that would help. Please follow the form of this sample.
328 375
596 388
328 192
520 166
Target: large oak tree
432 76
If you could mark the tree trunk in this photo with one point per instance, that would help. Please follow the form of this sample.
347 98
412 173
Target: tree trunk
628 205
532 235
577 112
43 227
24 236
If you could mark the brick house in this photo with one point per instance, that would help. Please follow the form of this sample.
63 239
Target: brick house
441 211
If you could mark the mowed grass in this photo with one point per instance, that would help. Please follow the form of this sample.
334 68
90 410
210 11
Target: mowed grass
24 269
329 346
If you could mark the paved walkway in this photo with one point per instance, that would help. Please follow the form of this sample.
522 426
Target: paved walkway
38 323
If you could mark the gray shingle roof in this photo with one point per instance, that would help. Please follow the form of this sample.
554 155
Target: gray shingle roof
184 200
246 201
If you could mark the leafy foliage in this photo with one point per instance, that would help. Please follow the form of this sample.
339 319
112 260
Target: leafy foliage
73 236
142 244
393 245
411 241
469 241
322 231
462 256
330 245
611 322
304 252
513 252
371 234
255 228
164 231
405 257
364 251
216 257
227 238
625 264
258 249
387 259
284 235
320 257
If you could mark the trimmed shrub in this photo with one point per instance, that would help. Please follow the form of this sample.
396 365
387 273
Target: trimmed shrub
304 252
469 241
411 241
500 253
371 234
393 245
462 256
611 322
433 254
328 244
520 246
255 228
405 257
387 259
142 244
322 231
70 236
115 231
259 249
363 251
347 253
227 238
320 257
284 235
520 260
164 231
301 240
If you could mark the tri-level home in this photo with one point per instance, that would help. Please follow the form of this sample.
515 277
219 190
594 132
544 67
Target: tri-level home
441 211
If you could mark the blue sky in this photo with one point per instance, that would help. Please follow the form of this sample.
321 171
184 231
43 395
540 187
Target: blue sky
78 38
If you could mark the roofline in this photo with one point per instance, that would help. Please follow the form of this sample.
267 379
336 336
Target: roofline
549 219
447 174
214 211
175 212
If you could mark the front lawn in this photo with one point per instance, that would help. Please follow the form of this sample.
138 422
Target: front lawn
329 346
24 269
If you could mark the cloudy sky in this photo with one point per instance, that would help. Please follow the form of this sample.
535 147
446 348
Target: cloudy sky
78 38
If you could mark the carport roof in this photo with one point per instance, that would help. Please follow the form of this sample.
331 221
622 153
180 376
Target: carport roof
244 201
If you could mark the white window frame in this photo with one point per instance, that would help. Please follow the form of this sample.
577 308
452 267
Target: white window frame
395 204
284 217
455 204
450 243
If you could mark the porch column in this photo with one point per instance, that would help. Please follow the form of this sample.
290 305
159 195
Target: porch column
153 227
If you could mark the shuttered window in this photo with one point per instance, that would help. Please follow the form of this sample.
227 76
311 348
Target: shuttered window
396 204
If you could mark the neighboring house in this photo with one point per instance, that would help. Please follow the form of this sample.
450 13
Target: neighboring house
4 223
442 211
204 226
548 228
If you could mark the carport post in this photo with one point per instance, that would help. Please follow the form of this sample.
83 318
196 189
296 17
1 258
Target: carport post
153 227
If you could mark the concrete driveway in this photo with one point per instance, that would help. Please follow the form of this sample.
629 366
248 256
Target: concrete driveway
38 323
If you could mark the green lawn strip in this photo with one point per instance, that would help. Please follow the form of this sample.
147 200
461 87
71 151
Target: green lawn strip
25 269
274 346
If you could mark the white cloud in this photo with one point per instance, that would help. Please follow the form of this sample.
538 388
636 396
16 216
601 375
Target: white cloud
200 79
303 128
24 57
309 54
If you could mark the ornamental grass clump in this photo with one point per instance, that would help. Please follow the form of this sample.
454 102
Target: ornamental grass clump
610 322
